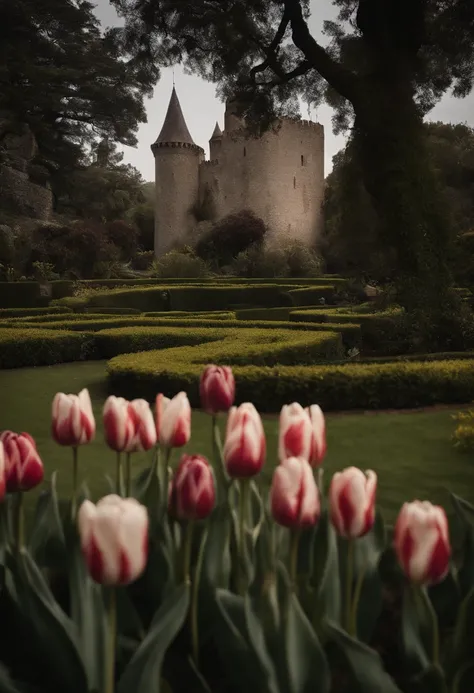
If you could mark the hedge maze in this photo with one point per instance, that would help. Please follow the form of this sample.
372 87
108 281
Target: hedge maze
282 343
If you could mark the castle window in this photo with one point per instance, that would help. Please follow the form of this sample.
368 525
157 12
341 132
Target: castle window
245 151
294 182
303 162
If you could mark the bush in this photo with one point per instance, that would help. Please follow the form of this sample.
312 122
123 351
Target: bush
19 294
259 262
55 311
312 295
230 236
181 264
143 260
41 347
61 288
463 437
302 261
124 237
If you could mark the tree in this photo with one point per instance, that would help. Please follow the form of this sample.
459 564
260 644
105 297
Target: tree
68 81
230 236
351 240
388 62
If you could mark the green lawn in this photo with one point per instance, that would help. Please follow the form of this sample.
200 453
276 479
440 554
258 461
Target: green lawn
411 453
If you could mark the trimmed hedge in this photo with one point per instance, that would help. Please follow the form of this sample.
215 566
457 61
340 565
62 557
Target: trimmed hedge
114 311
351 334
55 311
61 288
308 296
217 280
198 315
40 347
19 294
344 387
280 313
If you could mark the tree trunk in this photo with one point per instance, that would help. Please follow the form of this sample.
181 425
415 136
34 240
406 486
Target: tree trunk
391 146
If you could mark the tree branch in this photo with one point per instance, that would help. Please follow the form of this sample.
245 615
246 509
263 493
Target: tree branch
271 52
299 70
337 76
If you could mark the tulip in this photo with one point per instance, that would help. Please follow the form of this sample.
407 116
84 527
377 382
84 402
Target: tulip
296 432
128 426
421 542
192 489
245 446
318 437
73 420
294 495
352 502
23 465
3 483
173 420
217 389
114 539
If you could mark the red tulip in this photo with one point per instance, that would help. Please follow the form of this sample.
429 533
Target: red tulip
296 432
352 502
73 420
294 495
3 481
23 465
318 437
173 420
217 389
421 542
114 539
128 426
245 446
192 489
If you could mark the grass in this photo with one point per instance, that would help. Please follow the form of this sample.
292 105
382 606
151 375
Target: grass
411 452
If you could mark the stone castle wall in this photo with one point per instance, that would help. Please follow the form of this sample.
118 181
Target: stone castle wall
279 176
177 191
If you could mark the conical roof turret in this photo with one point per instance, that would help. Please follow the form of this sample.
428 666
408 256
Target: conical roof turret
174 128
217 134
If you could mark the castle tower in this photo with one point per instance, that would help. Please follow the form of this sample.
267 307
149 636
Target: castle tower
232 121
215 143
177 161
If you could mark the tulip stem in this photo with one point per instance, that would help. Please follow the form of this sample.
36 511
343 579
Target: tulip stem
119 474
188 543
195 601
349 581
294 546
128 475
165 477
218 454
111 635
424 604
243 503
355 603
75 456
19 522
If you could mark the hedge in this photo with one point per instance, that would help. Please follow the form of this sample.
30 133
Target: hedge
308 296
114 311
55 311
62 287
40 347
334 387
351 334
19 294
198 315
217 280
280 313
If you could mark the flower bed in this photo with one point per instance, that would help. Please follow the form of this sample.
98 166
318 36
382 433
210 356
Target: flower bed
189 579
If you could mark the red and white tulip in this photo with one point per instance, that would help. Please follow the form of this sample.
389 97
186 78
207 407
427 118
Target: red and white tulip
23 466
217 389
318 436
128 426
3 478
245 445
193 493
352 502
73 421
173 420
294 496
421 542
114 539
296 433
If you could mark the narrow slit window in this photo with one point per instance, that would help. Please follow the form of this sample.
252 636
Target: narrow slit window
302 160
294 181
245 151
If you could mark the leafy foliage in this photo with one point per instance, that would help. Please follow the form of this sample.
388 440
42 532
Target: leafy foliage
230 236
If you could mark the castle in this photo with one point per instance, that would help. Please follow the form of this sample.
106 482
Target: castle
279 176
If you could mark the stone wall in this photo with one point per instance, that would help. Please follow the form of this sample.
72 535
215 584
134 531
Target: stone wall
18 195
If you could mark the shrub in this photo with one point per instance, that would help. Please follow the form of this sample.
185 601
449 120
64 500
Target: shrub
43 313
41 347
124 237
311 295
302 261
180 264
143 217
143 260
19 294
230 236
61 288
463 437
259 262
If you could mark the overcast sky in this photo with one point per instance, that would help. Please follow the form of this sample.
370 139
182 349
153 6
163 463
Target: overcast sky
201 108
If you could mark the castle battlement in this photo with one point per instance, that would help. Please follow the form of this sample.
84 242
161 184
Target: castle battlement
210 164
178 145
303 124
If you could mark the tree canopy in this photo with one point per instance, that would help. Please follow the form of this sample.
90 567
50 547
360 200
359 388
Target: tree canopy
68 80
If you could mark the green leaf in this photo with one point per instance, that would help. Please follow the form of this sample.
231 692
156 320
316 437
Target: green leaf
463 637
47 540
446 599
364 663
89 615
464 679
216 562
6 683
256 632
328 583
431 680
144 670
417 629
57 635
308 670
234 646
